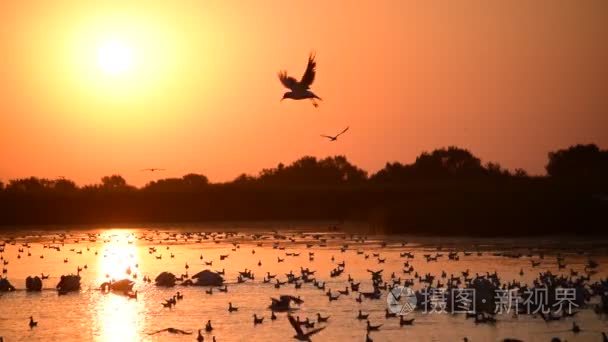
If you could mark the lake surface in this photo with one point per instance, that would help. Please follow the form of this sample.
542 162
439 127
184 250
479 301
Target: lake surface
108 253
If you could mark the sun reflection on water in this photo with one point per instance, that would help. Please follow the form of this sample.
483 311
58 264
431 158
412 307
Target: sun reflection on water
118 257
117 314
118 319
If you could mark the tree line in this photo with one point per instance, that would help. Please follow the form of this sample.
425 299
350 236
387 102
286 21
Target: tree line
446 191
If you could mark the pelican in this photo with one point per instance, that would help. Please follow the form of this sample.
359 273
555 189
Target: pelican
301 90
335 137
301 335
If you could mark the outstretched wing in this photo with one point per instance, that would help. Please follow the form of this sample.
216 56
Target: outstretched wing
158 331
296 326
326 136
344 131
314 331
288 81
309 74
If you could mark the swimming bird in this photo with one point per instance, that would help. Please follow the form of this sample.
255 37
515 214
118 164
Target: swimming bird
389 314
282 304
301 90
208 326
575 328
360 298
232 308
362 316
300 334
335 137
200 337
403 321
257 320
371 327
321 318
32 322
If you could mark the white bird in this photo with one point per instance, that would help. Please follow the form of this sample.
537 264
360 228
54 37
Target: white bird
301 90
335 137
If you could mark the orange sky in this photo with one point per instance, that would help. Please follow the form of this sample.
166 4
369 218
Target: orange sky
509 80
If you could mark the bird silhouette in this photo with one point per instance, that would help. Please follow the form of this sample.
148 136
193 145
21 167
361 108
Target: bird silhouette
335 137
300 334
301 90
152 169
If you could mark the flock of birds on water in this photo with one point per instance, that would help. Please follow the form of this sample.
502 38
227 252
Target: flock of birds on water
305 329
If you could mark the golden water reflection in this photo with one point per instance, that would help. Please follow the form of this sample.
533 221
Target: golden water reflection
118 256
118 315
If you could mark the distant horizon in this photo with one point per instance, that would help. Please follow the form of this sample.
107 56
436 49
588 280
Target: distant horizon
163 174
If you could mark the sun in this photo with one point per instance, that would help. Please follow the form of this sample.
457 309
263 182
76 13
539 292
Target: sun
115 57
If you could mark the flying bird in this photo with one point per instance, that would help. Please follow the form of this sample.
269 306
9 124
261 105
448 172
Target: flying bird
335 137
152 169
300 334
301 90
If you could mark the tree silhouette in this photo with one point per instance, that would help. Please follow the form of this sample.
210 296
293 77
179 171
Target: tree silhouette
452 162
115 183
189 182
446 190
310 171
579 161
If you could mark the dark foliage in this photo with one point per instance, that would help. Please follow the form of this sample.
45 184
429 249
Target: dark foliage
447 191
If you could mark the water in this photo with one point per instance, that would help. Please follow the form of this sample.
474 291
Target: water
93 315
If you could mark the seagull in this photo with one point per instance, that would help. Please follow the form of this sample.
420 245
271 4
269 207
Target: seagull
335 137
152 169
172 331
301 90
301 335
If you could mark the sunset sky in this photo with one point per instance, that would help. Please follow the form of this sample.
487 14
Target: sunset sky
92 88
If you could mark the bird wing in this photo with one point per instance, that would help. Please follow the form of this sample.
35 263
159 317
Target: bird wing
288 81
309 74
344 131
158 331
314 331
327 136
296 300
295 325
